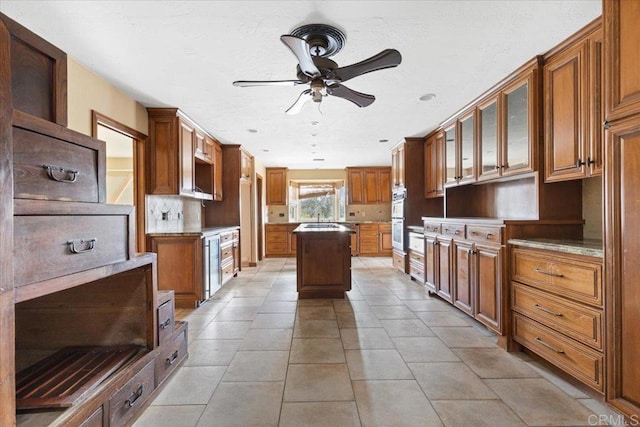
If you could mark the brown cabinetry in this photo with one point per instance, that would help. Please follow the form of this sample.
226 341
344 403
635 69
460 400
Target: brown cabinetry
557 310
368 185
460 149
173 164
229 255
415 254
280 240
217 171
246 166
573 113
398 166
434 165
375 239
277 186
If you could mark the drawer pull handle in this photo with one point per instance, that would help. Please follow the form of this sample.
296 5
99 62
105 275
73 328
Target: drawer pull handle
134 397
90 245
548 273
171 360
546 310
52 169
549 346
166 323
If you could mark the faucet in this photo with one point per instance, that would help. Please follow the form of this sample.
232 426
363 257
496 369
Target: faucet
318 216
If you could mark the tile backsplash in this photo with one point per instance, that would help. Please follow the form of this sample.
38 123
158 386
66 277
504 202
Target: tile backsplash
166 214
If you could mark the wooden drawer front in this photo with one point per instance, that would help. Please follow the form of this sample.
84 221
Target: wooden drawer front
416 242
369 247
416 258
575 320
226 253
72 172
579 280
44 245
416 272
484 234
124 403
166 317
94 420
578 360
384 227
277 248
225 237
227 271
432 227
398 261
171 353
276 236
235 235
276 228
369 228
453 230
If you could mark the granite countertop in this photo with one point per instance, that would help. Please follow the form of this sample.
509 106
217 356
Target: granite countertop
334 222
587 247
416 228
323 228
194 231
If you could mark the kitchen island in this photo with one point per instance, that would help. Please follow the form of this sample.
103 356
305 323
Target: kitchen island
323 260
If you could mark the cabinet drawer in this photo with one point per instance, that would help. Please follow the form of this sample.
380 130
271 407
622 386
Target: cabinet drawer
571 278
416 258
575 320
369 228
453 230
416 242
131 395
166 317
49 168
574 358
484 234
276 228
417 273
384 227
50 245
227 271
366 248
235 235
226 253
225 237
171 353
277 248
432 227
94 420
398 261
278 236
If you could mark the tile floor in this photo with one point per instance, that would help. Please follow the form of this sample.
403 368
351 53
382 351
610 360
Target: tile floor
388 355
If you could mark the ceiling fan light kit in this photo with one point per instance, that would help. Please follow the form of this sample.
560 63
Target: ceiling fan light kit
312 45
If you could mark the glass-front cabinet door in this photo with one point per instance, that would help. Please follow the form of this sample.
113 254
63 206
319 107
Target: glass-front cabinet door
488 139
467 148
519 129
450 137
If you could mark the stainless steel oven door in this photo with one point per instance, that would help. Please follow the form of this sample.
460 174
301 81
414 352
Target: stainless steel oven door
397 233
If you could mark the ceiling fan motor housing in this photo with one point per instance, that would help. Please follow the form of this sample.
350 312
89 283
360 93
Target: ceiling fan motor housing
323 40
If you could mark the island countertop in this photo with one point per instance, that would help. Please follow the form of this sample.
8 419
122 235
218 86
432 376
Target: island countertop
322 227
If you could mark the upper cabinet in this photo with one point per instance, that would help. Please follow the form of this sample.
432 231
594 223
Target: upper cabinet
174 165
489 138
246 168
398 166
434 165
276 186
573 113
368 185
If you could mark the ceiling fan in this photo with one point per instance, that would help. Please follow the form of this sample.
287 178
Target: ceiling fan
312 45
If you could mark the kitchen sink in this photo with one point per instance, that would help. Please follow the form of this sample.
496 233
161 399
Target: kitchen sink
321 225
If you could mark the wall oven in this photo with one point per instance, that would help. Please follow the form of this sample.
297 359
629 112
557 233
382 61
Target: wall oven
397 219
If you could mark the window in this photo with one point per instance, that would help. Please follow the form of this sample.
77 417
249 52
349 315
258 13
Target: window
318 200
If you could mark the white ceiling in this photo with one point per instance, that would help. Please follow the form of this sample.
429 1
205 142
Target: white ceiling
186 54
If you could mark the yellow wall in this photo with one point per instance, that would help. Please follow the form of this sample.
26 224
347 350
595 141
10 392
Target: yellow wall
87 91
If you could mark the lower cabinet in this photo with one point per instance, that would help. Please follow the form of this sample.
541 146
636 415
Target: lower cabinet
280 240
375 239
415 254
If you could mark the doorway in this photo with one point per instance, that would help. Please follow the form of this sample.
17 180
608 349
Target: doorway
125 167
260 215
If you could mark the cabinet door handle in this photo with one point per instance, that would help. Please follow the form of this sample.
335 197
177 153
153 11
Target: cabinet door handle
51 169
134 397
549 346
590 161
548 273
580 163
172 359
546 310
166 323
90 245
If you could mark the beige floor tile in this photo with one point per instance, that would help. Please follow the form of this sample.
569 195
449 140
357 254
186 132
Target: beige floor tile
561 383
392 312
319 414
406 328
316 313
494 363
358 319
450 381
476 413
224 330
257 366
316 350
170 416
246 301
315 302
383 300
223 295
191 386
367 290
365 338
462 337
282 296
316 329
278 307
273 320
377 365
198 321
350 306
318 383
538 402
424 349
267 339
236 313
243 404
212 352
439 318
604 413
417 293
211 307
395 403
253 291
431 304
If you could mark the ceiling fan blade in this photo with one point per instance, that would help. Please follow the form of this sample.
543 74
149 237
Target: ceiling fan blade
302 99
388 58
300 49
358 98
250 83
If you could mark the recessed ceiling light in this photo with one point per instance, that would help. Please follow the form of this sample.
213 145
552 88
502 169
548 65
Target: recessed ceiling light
318 160
265 150
315 123
383 140
427 97
252 130
314 134
313 145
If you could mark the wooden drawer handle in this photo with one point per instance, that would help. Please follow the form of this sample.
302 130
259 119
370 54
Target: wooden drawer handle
166 323
90 245
174 356
51 169
546 310
134 397
549 346
548 273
